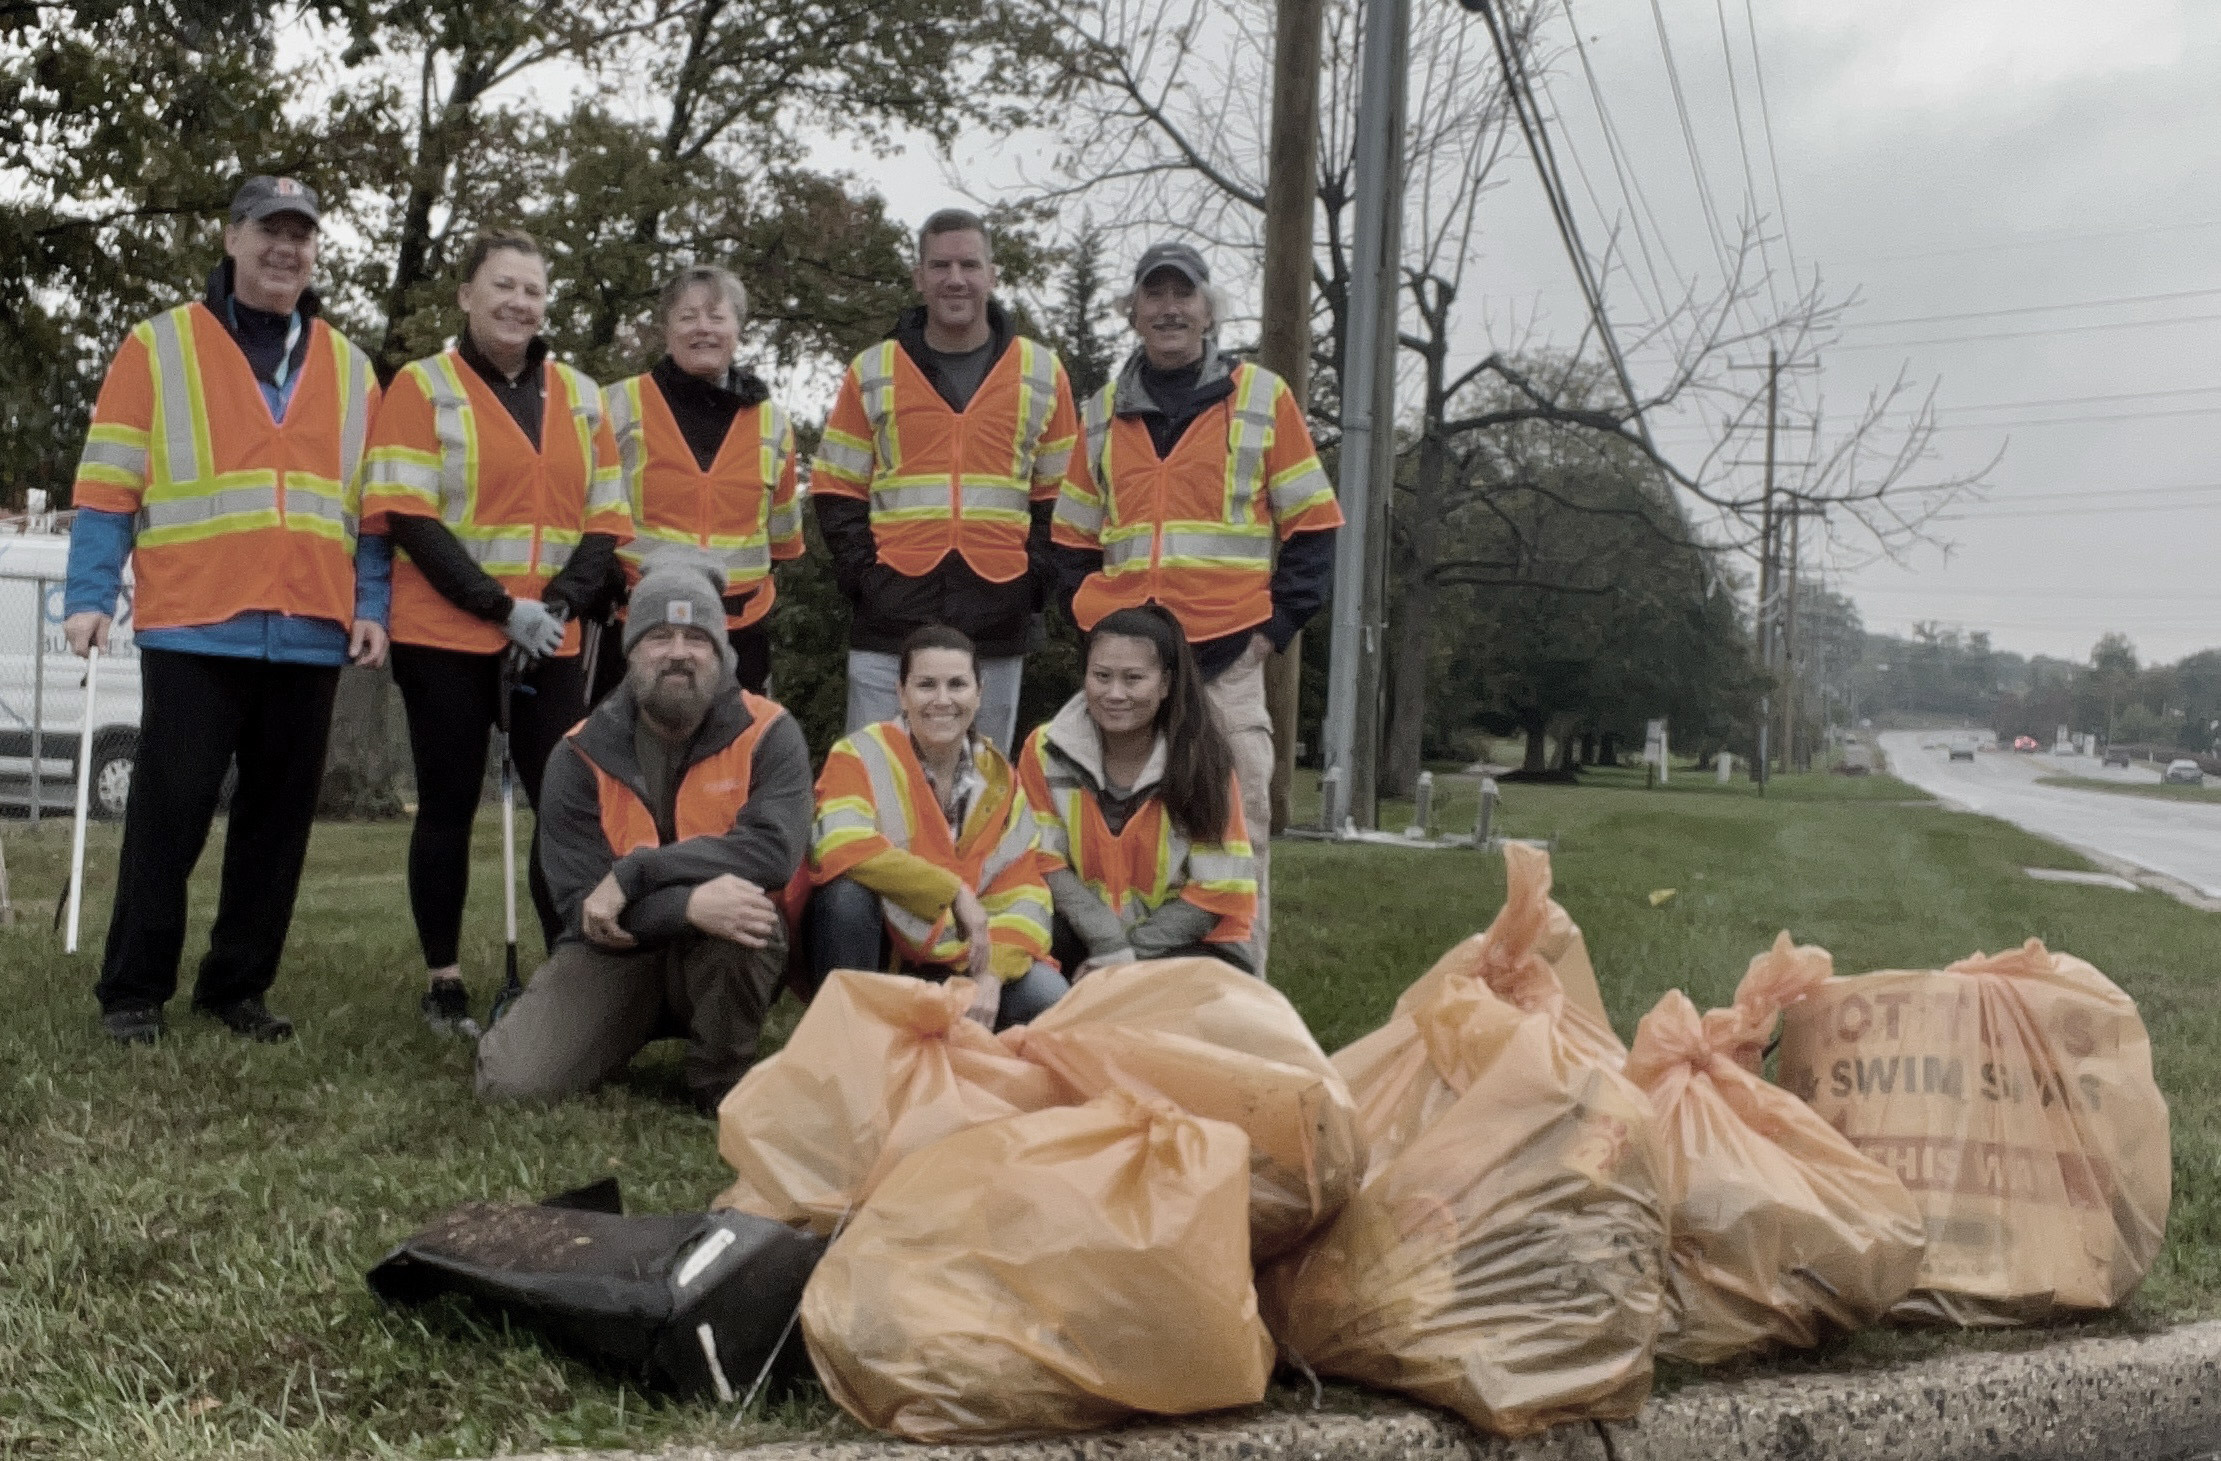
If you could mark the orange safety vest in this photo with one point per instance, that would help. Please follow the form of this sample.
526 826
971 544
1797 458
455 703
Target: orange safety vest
742 509
873 797
711 791
235 511
1147 863
942 481
1194 530
445 447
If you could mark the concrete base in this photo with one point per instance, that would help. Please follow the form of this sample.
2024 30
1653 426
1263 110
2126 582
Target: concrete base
2144 1399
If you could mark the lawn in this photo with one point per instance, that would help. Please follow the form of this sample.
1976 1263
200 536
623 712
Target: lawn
2169 791
188 1226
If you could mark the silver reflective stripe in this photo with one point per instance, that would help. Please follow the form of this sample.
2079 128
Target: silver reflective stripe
903 499
132 459
842 457
844 819
554 554
300 503
1120 551
1296 491
1079 514
395 472
913 928
886 800
1031 903
172 343
509 553
1037 368
354 421
1219 867
452 425
1250 433
747 560
1018 838
974 497
785 521
1098 422
876 377
625 422
1250 548
175 512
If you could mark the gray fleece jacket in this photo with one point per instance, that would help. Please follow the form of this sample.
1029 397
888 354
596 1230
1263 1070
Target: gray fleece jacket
765 844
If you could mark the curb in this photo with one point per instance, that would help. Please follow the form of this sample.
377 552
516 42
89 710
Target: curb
2155 1398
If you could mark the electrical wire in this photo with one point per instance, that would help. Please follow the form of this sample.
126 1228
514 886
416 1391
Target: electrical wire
1773 158
1742 142
2032 309
2074 420
1630 183
2031 334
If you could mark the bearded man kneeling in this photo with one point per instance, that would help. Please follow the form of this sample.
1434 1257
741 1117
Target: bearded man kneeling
670 820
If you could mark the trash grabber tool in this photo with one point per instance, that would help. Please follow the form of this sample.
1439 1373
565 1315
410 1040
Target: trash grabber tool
84 781
511 985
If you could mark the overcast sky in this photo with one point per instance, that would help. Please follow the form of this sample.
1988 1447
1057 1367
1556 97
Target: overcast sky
1989 158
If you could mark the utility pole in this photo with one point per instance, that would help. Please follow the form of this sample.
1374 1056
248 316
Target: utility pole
1284 346
1368 450
1766 534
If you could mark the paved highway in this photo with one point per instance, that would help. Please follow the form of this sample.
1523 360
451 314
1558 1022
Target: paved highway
2180 839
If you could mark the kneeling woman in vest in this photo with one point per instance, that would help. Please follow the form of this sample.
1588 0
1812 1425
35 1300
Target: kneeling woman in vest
1141 823
925 853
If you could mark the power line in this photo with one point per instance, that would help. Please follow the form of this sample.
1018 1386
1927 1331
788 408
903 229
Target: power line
2031 309
1742 142
2087 400
2094 510
1689 139
2030 334
2074 420
2092 494
2030 240
1773 158
1631 185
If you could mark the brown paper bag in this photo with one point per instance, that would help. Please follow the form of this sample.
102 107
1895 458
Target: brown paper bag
1051 1272
1780 1226
2014 1096
1508 1262
1402 1081
1218 1043
881 1065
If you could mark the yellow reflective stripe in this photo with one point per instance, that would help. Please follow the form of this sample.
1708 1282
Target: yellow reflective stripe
1300 488
1018 839
399 469
454 424
1249 435
898 503
784 522
115 454
1037 385
1081 512
875 376
200 507
1095 421
843 456
1217 548
889 785
182 451
1127 547
1222 872
841 822
993 502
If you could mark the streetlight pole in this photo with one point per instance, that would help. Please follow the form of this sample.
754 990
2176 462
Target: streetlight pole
1351 737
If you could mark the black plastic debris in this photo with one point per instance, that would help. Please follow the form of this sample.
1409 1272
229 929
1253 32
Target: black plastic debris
691 1303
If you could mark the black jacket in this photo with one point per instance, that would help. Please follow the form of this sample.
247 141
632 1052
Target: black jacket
766 843
885 606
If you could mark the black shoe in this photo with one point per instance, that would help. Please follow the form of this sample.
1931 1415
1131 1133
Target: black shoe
708 1098
251 1018
446 1008
141 1026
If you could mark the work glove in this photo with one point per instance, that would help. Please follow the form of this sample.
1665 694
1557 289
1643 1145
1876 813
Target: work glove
533 629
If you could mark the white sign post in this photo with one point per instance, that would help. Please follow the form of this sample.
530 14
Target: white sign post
1654 748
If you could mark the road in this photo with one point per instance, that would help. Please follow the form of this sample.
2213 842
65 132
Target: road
2178 839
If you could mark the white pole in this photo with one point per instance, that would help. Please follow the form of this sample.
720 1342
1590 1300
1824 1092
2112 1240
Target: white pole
508 854
84 782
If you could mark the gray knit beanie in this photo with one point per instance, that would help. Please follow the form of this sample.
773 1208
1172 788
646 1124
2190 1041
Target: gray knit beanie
682 586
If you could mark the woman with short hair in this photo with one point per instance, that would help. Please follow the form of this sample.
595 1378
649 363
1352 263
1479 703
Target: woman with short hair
925 854
493 469
708 463
1133 786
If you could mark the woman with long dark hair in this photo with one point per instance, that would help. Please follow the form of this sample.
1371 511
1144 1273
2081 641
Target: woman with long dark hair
1133 786
925 854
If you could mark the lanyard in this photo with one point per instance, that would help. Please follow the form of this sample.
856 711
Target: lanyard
292 338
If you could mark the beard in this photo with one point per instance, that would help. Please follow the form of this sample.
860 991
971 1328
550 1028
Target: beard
675 699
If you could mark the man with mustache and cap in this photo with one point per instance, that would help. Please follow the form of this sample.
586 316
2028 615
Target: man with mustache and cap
671 819
223 462
1200 491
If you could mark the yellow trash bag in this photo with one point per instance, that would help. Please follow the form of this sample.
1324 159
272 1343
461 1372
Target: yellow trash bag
1780 1226
881 1065
1052 1272
1507 1261
2013 1095
1218 1043
1531 956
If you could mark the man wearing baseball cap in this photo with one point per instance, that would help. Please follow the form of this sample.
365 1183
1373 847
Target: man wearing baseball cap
671 820
1201 491
223 463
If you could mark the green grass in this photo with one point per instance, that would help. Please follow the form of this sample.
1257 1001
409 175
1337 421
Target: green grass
187 1227
2174 791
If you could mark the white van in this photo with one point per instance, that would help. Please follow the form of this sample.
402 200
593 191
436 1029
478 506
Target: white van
42 686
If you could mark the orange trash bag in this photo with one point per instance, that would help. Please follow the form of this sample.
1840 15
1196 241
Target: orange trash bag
1507 1261
1053 1272
1780 1227
1531 956
1223 1044
2014 1096
880 1065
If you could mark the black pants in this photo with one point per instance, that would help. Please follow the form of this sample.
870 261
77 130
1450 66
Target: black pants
453 699
751 657
200 712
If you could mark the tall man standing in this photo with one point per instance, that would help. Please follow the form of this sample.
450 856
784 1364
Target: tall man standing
1197 465
937 475
223 461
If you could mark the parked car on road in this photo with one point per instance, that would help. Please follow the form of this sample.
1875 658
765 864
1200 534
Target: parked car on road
2184 772
2117 756
2024 743
1962 748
